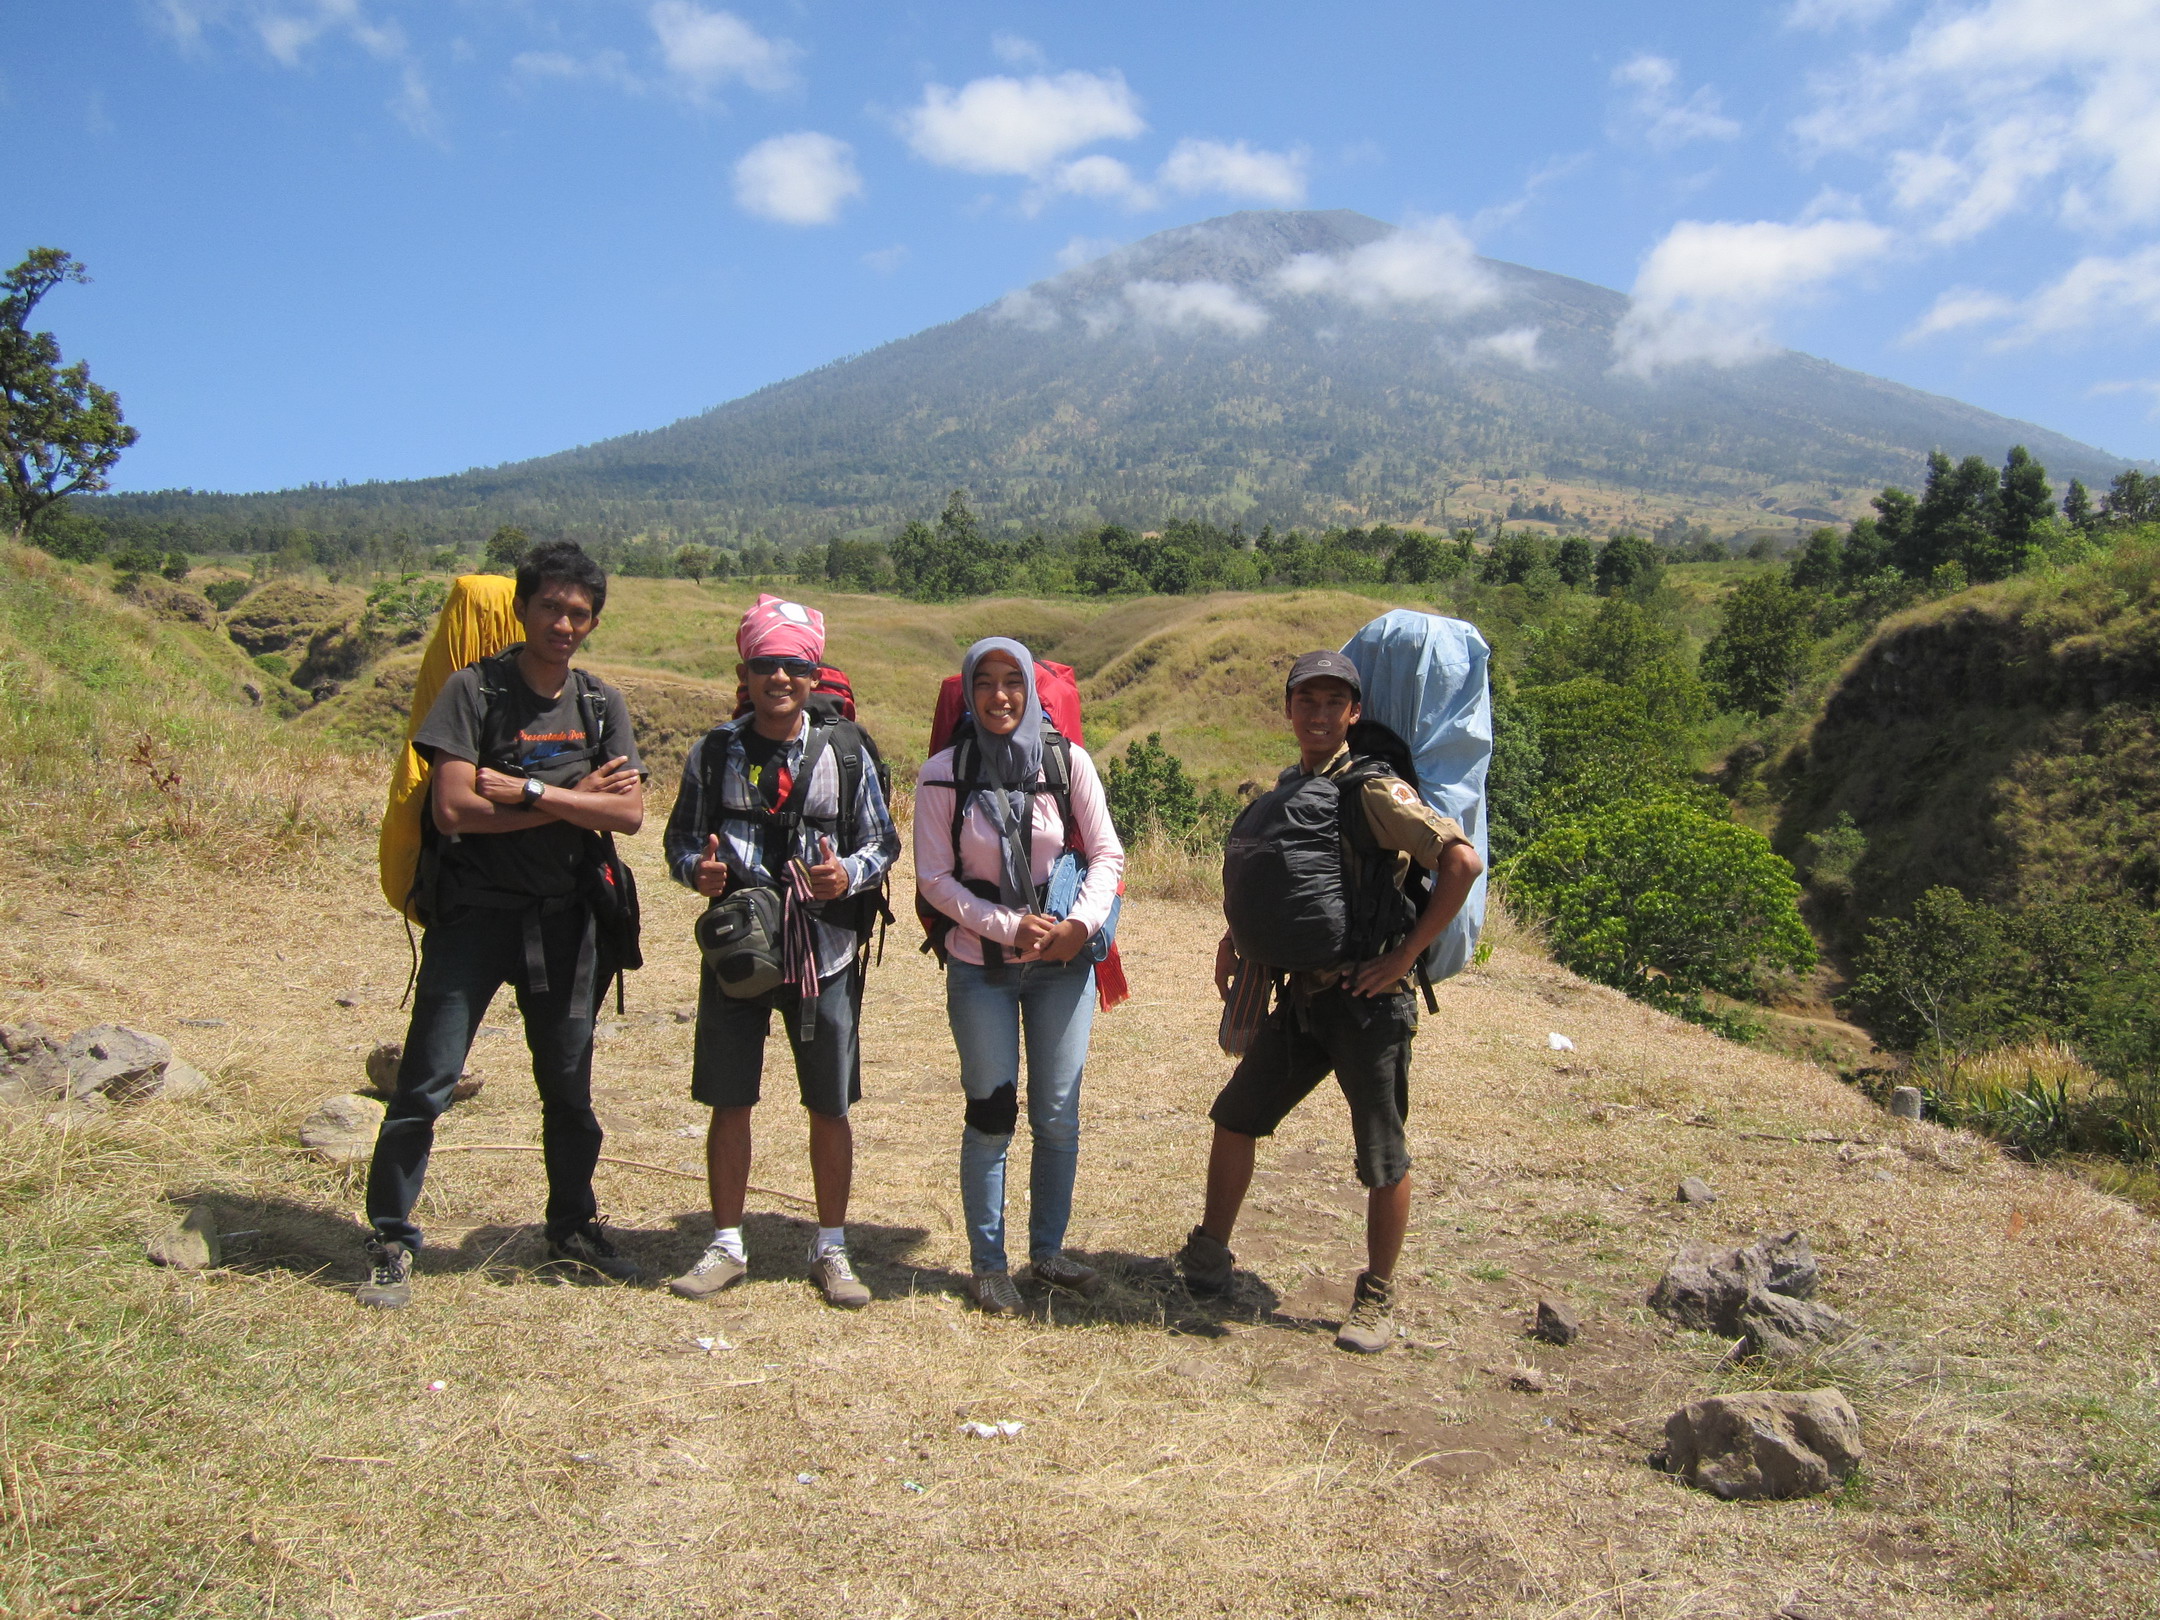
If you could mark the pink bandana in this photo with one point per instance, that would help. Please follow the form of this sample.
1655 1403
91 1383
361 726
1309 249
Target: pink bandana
777 629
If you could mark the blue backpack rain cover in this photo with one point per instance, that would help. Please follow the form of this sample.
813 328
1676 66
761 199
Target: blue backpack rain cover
1424 679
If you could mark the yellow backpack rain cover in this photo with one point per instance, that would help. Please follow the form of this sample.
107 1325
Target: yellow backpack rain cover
475 621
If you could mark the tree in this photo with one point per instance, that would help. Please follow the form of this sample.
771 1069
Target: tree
1576 562
1956 519
1820 563
952 560
856 565
506 548
693 562
1660 889
1149 791
2131 498
1760 648
2077 507
2026 498
1627 565
60 433
1420 559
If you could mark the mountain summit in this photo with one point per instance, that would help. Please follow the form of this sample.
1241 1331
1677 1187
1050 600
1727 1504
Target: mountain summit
1286 367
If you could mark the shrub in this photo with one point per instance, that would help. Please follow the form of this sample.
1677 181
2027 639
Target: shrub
1650 891
1760 648
225 594
404 610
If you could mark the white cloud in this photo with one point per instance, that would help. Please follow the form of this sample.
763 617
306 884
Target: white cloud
290 32
1959 307
1431 263
2098 292
2150 387
2000 107
1235 169
1707 291
1661 120
1518 345
1002 125
798 179
886 260
1026 308
705 49
1016 52
1191 306
1103 178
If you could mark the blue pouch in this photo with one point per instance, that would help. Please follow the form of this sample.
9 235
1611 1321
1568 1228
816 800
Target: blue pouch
1063 891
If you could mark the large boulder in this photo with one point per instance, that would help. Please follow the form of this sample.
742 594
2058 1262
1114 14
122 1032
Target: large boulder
126 1065
1705 1286
342 1129
1768 1443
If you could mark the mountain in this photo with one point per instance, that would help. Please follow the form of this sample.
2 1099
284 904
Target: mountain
1285 367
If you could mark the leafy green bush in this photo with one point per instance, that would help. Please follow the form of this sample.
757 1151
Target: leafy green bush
1657 897
224 594
1761 646
1151 794
403 610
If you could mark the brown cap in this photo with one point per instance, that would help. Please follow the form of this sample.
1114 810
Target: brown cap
1333 665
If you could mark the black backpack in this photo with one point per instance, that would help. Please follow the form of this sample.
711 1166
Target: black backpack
607 884
967 780
1306 886
858 753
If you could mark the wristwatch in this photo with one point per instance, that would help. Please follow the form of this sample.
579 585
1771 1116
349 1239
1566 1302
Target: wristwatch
533 790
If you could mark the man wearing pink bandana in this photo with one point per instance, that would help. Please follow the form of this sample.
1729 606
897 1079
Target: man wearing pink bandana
784 798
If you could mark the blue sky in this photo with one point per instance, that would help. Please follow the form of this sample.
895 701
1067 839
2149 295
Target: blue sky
349 239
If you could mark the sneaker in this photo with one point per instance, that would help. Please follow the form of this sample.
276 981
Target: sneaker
1371 1323
389 1284
837 1281
1206 1263
588 1248
715 1269
994 1294
1057 1269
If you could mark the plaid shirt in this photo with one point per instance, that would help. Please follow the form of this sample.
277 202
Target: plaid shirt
742 840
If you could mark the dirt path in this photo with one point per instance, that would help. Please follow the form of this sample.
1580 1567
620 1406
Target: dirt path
589 1454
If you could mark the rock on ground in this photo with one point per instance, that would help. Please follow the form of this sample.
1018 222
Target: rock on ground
342 1129
1695 1190
1554 1323
192 1245
1781 1328
1768 1443
126 1065
31 1066
1705 1286
382 1072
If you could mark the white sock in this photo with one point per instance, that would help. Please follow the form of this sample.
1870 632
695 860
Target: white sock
729 1238
828 1238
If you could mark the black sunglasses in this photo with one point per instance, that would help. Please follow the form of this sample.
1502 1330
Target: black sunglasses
797 668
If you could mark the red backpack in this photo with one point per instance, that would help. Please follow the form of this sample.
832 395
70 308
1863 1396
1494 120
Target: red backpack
1058 690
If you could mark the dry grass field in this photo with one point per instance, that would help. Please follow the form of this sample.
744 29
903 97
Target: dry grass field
246 1442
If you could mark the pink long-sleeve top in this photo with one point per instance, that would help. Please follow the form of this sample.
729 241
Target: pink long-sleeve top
976 919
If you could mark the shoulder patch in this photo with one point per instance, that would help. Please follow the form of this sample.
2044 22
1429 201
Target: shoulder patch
1403 793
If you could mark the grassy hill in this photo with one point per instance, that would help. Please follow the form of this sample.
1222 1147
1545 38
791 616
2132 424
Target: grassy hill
1067 405
242 1442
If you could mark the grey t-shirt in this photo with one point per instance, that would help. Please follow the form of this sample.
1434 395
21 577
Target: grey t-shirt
537 738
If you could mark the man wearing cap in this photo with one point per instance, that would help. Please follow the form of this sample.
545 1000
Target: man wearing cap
1355 1020
782 801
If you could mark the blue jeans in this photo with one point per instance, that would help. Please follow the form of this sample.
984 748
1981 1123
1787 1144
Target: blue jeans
1054 1002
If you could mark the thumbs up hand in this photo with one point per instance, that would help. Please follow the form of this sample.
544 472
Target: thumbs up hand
710 876
828 878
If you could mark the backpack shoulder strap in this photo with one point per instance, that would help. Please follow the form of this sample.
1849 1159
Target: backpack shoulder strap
849 744
1057 777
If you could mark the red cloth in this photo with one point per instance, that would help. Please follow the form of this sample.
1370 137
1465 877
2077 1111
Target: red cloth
779 629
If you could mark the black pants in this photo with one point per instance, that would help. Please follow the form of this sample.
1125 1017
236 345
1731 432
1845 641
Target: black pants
464 960
1364 1041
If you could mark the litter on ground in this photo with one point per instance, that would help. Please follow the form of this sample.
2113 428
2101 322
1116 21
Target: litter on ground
1559 1042
991 1431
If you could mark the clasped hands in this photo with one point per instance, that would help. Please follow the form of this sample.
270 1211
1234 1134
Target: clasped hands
828 878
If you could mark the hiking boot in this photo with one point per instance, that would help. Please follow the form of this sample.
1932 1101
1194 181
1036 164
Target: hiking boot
1057 1269
588 1248
837 1281
389 1284
994 1294
1371 1322
1206 1263
715 1269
